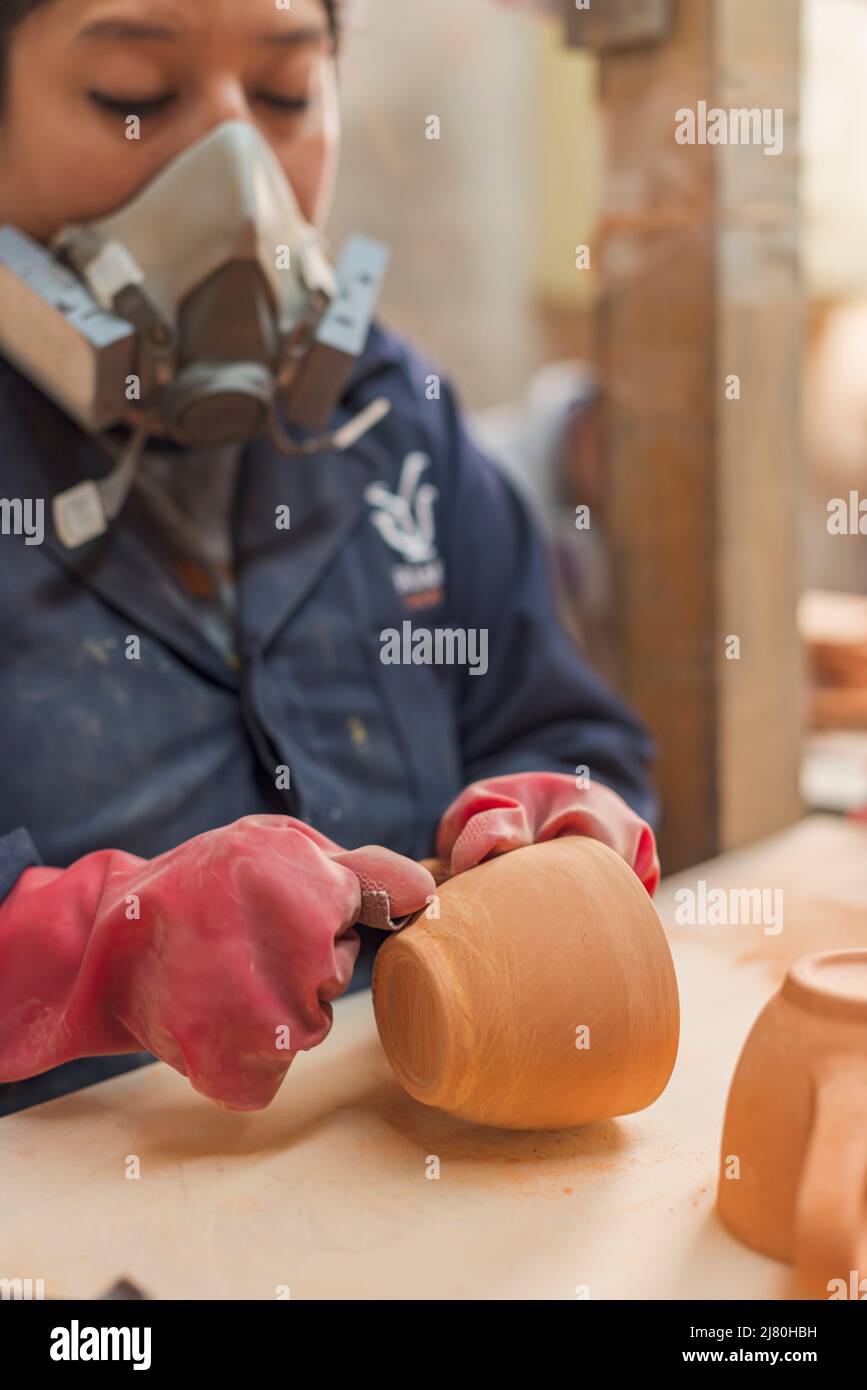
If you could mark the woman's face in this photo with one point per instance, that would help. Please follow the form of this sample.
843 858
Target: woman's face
78 69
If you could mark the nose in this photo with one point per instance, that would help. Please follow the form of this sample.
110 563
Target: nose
223 99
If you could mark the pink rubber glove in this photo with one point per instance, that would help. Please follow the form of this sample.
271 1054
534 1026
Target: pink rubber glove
204 956
528 808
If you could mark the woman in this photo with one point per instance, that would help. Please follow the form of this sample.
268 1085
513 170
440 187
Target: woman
207 713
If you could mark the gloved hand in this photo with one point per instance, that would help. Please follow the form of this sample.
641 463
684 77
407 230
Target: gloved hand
527 808
204 956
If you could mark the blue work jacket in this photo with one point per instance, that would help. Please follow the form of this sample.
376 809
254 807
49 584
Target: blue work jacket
107 743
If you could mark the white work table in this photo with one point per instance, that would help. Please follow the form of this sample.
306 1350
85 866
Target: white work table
326 1192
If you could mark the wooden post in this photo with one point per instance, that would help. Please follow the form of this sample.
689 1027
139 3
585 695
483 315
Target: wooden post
700 285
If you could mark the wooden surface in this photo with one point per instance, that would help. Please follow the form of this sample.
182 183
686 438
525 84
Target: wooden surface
700 283
326 1192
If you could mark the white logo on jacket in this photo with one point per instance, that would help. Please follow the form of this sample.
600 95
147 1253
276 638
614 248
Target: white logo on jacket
405 518
405 521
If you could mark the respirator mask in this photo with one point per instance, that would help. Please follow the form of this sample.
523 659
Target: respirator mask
204 312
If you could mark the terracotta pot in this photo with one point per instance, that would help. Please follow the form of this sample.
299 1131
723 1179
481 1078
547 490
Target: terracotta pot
797 1124
482 1011
834 627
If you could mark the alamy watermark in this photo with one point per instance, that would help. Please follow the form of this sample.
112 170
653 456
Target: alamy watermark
738 126
730 907
77 1343
23 516
847 516
441 646
22 1290
854 1288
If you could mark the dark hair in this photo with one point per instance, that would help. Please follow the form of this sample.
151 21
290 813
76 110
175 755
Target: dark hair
13 12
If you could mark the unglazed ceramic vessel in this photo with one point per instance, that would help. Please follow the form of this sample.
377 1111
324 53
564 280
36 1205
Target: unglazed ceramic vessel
543 996
796 1123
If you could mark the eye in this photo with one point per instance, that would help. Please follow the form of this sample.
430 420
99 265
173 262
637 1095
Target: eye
133 106
278 103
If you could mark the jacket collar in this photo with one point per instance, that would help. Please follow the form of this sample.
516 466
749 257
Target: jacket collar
277 568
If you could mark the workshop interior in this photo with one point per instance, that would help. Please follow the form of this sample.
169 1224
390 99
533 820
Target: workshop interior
433 576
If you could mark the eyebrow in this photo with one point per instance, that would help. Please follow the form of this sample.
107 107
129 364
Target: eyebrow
135 30
290 37
139 31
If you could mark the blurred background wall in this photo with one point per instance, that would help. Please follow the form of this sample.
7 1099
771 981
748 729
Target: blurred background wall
483 224
835 131
834 202
484 221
